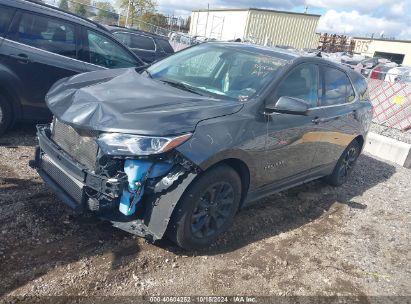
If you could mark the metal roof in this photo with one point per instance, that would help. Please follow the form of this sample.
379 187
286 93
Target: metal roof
253 9
382 39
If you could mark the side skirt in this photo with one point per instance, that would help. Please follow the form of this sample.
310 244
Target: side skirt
287 183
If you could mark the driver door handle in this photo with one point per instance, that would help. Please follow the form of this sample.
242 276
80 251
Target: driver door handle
21 58
318 120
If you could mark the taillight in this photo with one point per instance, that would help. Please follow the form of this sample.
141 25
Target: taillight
375 72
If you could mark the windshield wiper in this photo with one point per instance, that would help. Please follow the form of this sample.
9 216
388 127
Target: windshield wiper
180 85
148 73
143 68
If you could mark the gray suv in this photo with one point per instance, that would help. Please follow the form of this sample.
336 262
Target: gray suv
179 147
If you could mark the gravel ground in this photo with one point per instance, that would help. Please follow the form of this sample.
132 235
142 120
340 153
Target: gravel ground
311 240
391 132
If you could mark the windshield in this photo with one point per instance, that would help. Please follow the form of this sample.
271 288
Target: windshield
218 71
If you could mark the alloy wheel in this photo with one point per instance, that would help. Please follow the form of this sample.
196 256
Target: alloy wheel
212 210
348 162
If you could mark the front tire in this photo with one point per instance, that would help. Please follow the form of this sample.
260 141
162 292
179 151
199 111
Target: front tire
206 209
6 115
345 164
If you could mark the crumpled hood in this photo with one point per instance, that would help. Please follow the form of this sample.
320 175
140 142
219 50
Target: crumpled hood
124 101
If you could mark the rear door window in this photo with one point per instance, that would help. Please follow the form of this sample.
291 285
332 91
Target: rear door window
105 52
361 85
6 14
142 42
337 88
49 34
165 45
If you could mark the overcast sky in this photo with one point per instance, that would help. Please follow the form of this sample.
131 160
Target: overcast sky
350 17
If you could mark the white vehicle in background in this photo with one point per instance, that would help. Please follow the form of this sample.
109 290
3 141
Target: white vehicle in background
401 74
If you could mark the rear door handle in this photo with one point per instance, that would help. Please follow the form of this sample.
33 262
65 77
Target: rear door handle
21 58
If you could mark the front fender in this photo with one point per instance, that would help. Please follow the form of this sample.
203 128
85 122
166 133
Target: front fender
228 137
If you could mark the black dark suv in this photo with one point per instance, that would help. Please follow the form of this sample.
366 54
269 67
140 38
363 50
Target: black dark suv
179 147
149 47
39 45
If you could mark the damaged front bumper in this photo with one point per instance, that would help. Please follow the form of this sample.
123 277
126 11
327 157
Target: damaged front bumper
77 186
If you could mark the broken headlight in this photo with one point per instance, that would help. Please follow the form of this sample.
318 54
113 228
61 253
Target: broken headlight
127 144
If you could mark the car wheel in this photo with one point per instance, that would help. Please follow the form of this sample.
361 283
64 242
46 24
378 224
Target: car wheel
206 209
345 164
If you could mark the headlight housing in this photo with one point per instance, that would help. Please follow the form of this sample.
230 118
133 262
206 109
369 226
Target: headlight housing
127 144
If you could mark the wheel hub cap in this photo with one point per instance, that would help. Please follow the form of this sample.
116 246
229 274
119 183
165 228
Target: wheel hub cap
212 210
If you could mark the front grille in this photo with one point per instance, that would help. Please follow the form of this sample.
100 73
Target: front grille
70 185
79 144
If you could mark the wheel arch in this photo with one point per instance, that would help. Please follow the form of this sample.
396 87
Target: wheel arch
238 165
242 170
8 90
360 139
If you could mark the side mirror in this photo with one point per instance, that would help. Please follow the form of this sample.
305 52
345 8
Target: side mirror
288 105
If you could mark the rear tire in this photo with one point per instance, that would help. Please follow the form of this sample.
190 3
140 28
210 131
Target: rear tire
345 164
206 209
6 115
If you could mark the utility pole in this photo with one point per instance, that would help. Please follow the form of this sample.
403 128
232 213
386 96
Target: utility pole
208 12
198 17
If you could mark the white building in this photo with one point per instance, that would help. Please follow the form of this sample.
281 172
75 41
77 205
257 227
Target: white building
261 26
395 50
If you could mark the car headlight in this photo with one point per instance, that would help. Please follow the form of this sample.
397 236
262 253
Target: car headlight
127 144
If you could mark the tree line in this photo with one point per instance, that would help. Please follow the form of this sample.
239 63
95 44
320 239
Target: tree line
140 11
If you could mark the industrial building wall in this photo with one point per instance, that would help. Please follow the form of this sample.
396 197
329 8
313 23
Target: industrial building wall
277 28
221 25
371 48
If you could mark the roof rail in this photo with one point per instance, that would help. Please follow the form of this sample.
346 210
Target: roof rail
98 25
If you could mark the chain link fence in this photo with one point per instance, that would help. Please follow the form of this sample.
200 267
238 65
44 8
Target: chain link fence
389 89
390 94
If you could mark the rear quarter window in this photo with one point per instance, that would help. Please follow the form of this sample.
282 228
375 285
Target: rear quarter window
105 52
6 14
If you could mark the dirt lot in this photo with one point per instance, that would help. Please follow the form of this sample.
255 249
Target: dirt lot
312 240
